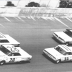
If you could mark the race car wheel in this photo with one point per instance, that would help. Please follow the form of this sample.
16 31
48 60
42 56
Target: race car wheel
57 61
67 43
2 62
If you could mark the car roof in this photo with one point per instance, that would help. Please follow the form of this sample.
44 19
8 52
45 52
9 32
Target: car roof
66 48
11 48
11 40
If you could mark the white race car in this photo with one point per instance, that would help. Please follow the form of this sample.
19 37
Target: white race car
64 36
12 54
59 53
6 39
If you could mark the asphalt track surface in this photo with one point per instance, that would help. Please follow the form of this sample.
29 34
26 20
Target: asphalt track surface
35 34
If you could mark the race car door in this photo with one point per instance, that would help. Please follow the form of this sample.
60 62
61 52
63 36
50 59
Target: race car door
16 57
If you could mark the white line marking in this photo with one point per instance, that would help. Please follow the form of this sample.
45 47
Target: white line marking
7 19
61 22
2 25
33 18
45 18
20 18
50 18
69 19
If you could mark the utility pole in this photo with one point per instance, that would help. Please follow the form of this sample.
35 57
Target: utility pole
18 3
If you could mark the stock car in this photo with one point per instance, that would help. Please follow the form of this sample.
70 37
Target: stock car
12 54
60 53
7 39
64 37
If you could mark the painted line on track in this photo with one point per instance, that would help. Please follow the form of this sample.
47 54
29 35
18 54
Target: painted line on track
2 25
51 18
32 18
20 18
69 19
61 22
45 18
7 19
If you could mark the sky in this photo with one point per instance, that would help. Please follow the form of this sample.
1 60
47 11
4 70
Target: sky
22 3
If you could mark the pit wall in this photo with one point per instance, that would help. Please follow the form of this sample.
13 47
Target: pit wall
36 12
9 11
46 12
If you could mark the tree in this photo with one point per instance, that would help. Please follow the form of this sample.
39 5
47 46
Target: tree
9 3
63 4
69 5
33 4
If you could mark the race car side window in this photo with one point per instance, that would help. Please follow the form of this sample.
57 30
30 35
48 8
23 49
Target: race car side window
60 50
69 53
16 54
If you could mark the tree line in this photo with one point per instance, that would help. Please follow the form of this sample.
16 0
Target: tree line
62 4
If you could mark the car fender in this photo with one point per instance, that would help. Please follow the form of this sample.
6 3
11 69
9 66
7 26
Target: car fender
63 59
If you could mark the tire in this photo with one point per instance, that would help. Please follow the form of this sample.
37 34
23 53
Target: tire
67 43
57 61
2 62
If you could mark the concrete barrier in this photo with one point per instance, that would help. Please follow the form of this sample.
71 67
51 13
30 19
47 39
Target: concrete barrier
9 11
44 11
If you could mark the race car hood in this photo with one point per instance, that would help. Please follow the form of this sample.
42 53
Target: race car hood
24 53
54 53
64 36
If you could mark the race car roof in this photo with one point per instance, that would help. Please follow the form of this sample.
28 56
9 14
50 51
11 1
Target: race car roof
8 39
66 48
11 48
11 40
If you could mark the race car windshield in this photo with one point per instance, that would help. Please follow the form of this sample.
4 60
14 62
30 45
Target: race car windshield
60 50
68 33
4 50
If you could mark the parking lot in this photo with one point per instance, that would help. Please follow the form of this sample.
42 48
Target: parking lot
35 34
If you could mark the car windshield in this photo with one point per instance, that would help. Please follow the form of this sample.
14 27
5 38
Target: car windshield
6 51
69 33
60 50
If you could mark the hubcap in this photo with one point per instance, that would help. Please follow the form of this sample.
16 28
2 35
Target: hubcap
57 61
1 63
